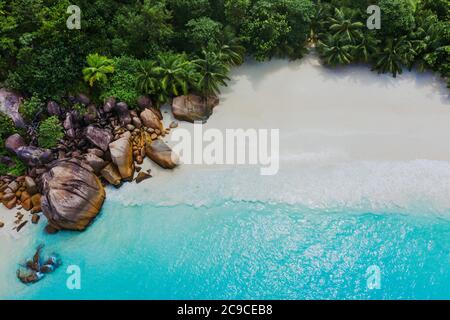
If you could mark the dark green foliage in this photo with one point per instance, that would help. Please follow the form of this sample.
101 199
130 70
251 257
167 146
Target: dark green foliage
202 32
278 28
50 132
397 17
40 56
31 108
142 30
122 84
7 128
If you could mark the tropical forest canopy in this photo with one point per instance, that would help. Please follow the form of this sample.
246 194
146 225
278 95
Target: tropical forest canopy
166 48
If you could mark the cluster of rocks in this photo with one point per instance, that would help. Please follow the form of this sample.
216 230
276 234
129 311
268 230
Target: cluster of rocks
104 145
35 269
21 192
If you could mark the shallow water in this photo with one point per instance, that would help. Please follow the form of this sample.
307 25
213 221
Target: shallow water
364 181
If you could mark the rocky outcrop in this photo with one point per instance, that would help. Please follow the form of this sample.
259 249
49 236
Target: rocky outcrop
34 156
122 156
151 120
162 154
99 137
72 195
193 108
14 142
9 105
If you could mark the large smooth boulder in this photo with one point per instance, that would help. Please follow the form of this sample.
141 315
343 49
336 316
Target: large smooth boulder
193 108
34 156
14 142
99 137
162 154
124 114
151 120
122 155
9 105
72 195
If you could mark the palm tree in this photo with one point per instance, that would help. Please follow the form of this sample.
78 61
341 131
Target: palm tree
98 69
342 25
335 51
396 52
148 82
213 73
232 54
176 73
366 47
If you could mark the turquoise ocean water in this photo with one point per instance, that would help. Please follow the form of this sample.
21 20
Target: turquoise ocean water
241 250
311 232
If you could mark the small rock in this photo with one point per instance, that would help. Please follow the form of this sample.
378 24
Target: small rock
130 127
99 153
53 109
142 176
99 137
137 122
31 186
2 224
111 174
173 125
11 204
14 142
21 226
109 105
36 200
35 218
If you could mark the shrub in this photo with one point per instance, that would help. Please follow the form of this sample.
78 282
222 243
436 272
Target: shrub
50 132
122 85
7 128
30 108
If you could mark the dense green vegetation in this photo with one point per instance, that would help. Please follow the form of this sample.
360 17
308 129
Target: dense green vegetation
165 48
50 132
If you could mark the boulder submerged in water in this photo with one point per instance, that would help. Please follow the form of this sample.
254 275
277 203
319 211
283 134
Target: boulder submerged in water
72 195
192 108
